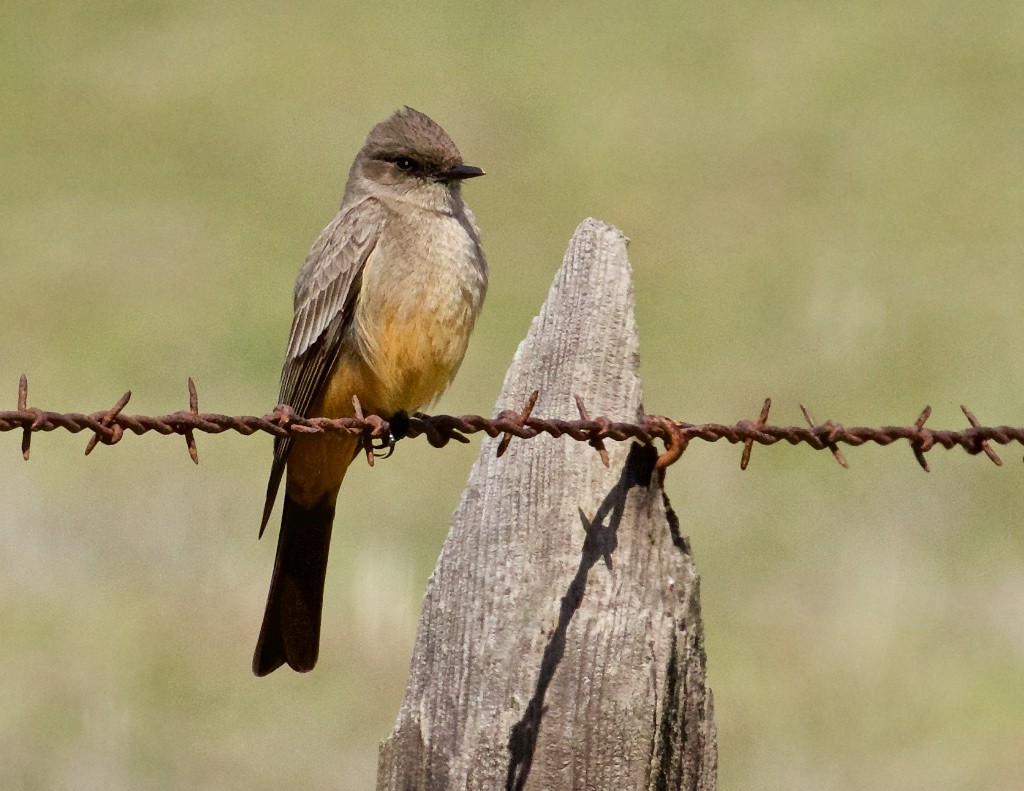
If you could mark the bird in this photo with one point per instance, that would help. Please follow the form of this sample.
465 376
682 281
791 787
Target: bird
383 309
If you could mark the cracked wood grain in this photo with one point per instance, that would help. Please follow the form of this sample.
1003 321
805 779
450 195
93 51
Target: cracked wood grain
560 644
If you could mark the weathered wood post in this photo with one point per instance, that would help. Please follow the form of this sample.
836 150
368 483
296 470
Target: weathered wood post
561 645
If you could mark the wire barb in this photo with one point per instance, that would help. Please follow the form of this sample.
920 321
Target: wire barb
830 440
367 437
522 417
113 433
675 438
748 444
980 445
193 409
923 442
602 423
26 436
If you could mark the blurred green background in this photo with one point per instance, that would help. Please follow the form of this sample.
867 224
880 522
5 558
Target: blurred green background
826 205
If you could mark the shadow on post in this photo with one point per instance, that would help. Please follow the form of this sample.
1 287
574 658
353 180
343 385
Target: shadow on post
600 543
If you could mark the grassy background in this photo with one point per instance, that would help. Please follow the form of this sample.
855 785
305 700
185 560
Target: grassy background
826 205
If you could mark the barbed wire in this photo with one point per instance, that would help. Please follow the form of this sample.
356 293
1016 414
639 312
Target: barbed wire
108 427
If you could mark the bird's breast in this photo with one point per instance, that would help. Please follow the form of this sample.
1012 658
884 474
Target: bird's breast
421 291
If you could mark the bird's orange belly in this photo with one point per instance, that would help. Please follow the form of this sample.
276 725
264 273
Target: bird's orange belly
412 360
415 360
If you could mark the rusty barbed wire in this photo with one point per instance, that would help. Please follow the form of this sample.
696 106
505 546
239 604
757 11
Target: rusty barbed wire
108 427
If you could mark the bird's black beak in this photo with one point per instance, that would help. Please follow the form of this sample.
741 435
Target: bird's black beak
459 172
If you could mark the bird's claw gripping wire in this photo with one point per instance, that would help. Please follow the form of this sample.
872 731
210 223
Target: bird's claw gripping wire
398 427
383 448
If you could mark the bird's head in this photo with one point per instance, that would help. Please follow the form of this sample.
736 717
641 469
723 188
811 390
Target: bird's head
409 156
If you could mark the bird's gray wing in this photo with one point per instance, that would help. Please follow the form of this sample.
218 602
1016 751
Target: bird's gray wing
325 293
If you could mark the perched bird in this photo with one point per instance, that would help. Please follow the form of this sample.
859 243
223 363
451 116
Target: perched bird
384 306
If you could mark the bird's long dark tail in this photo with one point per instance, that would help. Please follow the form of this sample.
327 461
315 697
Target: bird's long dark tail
291 623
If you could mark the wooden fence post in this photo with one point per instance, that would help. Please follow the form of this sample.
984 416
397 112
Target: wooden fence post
560 645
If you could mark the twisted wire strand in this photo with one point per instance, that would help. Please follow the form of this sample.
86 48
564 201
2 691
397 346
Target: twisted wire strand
109 427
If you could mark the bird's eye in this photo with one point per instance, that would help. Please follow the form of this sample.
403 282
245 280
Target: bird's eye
405 164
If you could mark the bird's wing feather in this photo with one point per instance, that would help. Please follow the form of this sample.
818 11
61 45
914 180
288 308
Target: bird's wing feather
325 294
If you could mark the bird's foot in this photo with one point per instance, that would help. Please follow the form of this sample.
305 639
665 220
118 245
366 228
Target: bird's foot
399 427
